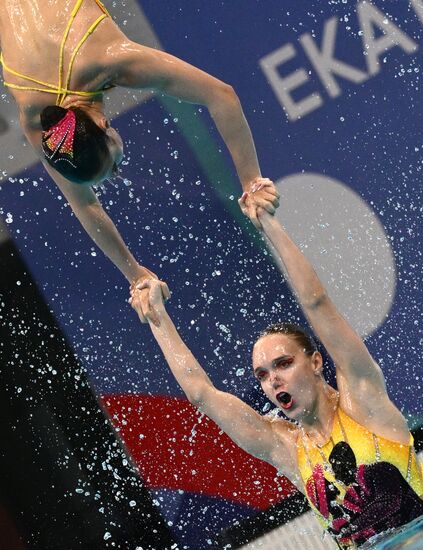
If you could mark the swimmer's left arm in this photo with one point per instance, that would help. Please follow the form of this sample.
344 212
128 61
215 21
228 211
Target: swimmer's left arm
352 358
255 434
142 67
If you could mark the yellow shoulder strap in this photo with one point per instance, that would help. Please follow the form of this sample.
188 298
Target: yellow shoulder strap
60 90
20 75
102 7
63 92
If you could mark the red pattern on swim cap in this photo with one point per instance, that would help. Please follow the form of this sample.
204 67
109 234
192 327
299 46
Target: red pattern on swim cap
58 140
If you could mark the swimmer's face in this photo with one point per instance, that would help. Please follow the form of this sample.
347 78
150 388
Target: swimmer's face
286 374
115 145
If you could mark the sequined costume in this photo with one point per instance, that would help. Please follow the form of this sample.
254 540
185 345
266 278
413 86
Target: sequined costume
360 484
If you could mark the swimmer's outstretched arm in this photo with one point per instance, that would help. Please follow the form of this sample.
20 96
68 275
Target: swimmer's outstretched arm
355 366
138 66
252 432
96 222
360 381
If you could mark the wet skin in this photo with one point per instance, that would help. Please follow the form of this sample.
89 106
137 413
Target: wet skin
109 59
31 38
280 365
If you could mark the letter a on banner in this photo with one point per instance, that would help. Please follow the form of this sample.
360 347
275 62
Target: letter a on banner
369 15
326 64
418 8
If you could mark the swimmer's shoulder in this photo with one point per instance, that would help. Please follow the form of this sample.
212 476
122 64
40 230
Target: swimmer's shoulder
378 415
285 430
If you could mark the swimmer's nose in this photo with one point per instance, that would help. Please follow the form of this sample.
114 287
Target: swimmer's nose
276 381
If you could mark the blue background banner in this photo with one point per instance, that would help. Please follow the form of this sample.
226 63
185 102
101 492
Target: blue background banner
332 92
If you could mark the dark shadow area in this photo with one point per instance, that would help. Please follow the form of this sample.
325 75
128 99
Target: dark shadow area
252 528
4 125
66 480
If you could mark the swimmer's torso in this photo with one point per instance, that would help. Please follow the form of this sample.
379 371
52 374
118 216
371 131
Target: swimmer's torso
360 481
31 33
359 484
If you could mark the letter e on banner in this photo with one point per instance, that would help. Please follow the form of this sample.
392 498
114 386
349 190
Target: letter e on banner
283 86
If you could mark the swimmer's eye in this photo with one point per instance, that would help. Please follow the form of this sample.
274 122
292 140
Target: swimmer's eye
285 362
261 375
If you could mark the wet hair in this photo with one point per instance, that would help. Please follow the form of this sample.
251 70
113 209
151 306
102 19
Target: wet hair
297 333
90 149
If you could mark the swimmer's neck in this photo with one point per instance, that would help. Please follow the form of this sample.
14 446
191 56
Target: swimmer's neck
318 423
29 113
94 107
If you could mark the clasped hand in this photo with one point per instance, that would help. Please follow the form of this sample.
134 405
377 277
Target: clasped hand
261 195
147 298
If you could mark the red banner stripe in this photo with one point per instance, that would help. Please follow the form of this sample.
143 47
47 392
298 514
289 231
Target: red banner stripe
175 448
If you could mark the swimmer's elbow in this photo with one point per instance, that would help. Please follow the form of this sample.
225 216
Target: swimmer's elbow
316 300
199 396
195 400
198 402
229 92
223 98
230 95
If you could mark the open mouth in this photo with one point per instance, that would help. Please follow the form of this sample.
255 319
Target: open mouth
285 400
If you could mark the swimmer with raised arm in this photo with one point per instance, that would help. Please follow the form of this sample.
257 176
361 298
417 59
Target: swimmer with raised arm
58 61
348 450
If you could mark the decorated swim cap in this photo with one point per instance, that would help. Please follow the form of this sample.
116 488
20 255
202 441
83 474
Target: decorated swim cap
58 140
72 136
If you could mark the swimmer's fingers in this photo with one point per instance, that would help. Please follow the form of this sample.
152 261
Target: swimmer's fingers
243 203
148 311
260 183
248 208
157 294
165 291
136 300
271 199
158 291
269 203
271 195
143 306
253 215
272 190
265 194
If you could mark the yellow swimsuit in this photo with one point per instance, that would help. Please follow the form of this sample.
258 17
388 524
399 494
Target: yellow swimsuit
61 88
360 484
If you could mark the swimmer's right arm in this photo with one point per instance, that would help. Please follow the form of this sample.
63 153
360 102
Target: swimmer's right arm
241 423
99 226
90 213
351 356
140 67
